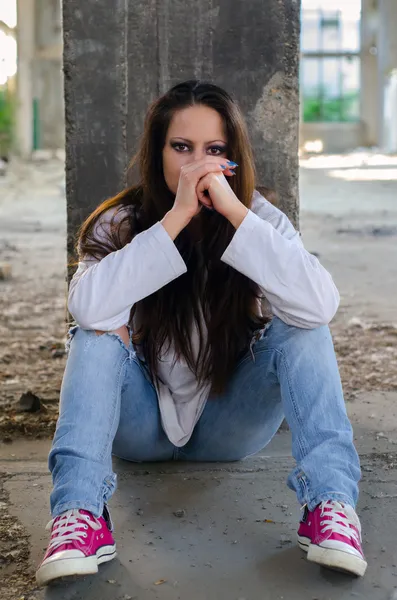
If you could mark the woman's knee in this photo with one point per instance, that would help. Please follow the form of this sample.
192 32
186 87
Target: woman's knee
121 332
94 363
284 334
85 341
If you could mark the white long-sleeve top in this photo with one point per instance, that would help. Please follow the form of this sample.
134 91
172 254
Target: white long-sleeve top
266 248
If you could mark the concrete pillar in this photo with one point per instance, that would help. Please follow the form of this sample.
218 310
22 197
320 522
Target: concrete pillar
387 56
369 97
119 56
39 78
49 76
25 76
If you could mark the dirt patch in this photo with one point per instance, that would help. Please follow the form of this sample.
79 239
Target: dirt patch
30 361
367 356
33 299
41 375
16 576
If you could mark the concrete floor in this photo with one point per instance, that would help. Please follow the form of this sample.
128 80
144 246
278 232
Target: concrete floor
349 217
222 547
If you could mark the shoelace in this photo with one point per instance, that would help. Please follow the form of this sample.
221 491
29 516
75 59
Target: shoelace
339 517
65 530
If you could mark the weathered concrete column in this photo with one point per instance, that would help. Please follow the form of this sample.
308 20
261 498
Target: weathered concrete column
25 75
49 76
39 77
119 56
387 55
369 97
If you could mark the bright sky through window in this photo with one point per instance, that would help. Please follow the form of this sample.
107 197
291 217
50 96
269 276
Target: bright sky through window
349 8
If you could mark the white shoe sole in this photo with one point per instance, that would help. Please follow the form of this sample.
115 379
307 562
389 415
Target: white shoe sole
66 567
333 559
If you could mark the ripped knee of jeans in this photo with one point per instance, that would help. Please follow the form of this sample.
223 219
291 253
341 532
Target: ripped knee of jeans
122 333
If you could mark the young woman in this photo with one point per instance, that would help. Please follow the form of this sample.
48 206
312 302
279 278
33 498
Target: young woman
202 322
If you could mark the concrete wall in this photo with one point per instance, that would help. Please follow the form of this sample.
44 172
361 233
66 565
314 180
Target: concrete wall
335 137
119 56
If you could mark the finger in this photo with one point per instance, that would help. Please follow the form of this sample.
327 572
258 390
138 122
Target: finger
209 208
205 199
211 159
206 205
203 170
192 178
202 187
200 168
208 165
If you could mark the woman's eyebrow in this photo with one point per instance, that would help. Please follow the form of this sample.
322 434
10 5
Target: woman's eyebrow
216 142
190 142
180 138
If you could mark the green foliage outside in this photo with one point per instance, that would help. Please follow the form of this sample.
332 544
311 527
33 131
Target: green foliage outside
322 109
7 106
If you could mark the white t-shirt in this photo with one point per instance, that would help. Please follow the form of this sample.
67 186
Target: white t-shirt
266 248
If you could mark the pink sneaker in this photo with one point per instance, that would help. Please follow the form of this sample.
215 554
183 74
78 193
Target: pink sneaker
331 536
79 543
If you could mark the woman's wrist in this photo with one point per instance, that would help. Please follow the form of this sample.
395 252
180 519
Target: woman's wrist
174 222
237 215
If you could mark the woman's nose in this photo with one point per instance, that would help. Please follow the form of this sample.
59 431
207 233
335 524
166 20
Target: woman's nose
198 154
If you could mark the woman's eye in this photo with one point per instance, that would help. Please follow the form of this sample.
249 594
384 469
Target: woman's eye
180 147
216 150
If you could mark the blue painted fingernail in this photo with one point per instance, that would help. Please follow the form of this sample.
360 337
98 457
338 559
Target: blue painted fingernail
223 166
232 164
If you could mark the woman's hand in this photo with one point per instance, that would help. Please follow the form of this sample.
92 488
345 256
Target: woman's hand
222 197
187 200
187 204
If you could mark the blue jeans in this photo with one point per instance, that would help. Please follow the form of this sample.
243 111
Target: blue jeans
108 404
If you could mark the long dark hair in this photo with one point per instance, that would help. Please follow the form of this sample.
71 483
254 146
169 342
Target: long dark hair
228 300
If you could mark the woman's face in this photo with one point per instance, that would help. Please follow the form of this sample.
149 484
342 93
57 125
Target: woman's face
194 132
